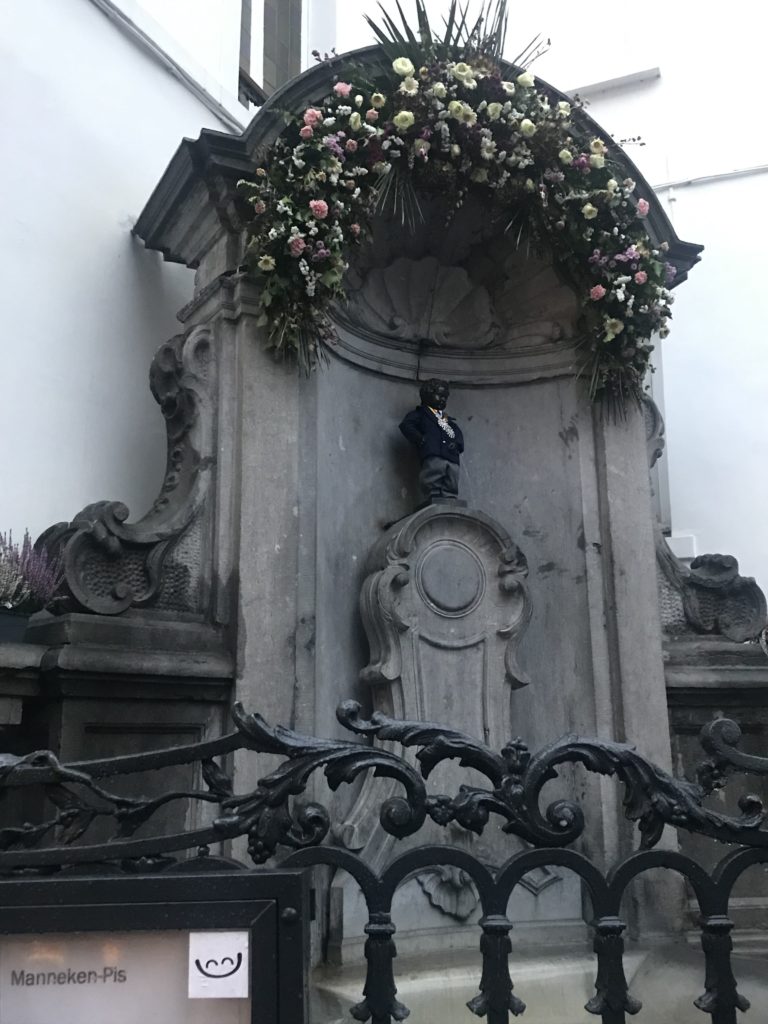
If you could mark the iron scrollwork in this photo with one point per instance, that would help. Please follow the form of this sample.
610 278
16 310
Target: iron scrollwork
272 817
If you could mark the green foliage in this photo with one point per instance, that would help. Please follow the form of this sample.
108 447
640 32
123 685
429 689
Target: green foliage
486 35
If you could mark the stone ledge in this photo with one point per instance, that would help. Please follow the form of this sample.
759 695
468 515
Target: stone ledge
157 633
703 669
21 657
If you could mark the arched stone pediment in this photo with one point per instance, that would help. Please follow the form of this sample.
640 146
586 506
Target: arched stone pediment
178 222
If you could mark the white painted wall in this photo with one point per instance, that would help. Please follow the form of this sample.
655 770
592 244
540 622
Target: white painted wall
208 30
202 36
89 123
702 116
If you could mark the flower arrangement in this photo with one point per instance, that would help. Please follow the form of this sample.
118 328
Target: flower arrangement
29 578
444 115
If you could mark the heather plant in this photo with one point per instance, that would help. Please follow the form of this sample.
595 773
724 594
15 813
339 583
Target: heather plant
29 577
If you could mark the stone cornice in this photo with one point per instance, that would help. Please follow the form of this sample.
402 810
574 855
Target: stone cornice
703 669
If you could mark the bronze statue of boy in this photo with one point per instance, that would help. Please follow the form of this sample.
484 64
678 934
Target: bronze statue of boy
438 440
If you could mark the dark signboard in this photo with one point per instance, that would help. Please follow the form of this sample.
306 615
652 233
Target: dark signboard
183 949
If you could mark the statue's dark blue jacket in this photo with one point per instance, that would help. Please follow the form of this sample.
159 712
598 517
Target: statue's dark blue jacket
422 429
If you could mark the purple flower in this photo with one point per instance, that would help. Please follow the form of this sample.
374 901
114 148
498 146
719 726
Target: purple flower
28 576
332 143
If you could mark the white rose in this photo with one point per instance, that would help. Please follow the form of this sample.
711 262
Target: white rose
455 150
526 80
439 90
589 211
494 111
612 185
403 67
358 100
355 121
598 146
565 156
461 71
597 160
563 109
455 109
527 128
508 88
403 120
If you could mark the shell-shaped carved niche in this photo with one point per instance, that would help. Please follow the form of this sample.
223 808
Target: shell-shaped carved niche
424 301
531 303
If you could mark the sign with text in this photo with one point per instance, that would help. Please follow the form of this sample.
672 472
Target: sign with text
130 978
208 946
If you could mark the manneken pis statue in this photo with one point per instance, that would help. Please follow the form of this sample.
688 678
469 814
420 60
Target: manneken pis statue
438 440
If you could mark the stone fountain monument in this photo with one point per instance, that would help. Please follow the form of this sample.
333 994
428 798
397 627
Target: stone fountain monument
286 562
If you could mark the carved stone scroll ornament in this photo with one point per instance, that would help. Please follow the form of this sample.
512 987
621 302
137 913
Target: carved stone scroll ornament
709 595
450 579
715 598
444 606
111 565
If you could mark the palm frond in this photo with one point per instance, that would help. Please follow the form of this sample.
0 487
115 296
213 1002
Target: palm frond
410 36
396 197
536 48
486 35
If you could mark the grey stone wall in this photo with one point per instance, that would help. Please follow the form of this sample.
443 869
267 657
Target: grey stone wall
282 42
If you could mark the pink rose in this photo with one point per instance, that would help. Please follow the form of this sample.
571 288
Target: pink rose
297 246
259 207
319 208
371 115
598 292
312 116
641 277
355 229
643 206
307 131
351 146
342 89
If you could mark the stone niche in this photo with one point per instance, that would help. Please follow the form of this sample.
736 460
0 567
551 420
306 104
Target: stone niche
288 507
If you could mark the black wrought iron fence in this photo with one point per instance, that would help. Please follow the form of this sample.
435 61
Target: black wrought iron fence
272 817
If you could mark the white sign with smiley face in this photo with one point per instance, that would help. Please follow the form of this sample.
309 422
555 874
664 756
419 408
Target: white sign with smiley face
219 966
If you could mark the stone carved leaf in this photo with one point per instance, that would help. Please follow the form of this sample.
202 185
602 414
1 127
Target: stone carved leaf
422 300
